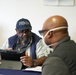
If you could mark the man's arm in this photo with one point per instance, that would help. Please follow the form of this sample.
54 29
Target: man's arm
5 46
39 61
27 61
42 52
54 66
42 49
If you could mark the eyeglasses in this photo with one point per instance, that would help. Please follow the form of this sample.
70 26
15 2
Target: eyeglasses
24 31
42 31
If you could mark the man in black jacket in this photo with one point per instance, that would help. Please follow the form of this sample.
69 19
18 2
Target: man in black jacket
62 61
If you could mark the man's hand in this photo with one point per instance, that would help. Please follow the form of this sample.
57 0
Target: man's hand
26 60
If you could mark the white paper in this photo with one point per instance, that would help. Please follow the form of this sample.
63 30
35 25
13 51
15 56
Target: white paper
38 68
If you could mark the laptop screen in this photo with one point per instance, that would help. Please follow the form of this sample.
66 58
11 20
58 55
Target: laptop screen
11 55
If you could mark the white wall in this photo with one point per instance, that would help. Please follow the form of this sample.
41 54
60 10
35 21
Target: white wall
36 12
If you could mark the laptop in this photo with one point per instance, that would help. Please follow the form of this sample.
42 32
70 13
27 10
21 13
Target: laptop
9 64
11 54
10 59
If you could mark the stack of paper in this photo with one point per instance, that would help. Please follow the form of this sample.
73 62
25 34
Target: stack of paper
38 68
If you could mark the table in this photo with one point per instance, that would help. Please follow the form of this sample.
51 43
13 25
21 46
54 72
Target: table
18 72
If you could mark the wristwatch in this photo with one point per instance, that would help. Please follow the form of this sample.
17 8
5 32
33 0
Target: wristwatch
34 63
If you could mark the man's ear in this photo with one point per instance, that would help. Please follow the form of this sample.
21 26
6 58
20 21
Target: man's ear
50 34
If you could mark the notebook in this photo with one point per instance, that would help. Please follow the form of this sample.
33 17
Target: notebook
10 59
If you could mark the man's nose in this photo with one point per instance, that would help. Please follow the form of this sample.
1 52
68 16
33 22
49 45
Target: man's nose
24 33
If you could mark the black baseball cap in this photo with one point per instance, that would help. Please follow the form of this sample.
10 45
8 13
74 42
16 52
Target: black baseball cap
23 24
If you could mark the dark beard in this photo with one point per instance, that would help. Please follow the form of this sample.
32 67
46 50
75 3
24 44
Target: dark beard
25 40
22 47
